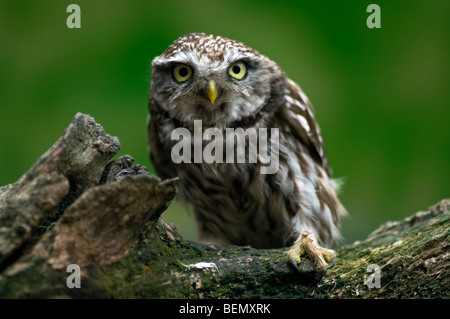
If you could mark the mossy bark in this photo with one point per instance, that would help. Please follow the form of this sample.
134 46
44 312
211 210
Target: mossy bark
72 207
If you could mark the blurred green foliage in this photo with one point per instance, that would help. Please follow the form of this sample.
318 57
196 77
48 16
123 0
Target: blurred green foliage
381 95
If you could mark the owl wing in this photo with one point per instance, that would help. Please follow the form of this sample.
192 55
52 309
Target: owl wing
298 112
159 156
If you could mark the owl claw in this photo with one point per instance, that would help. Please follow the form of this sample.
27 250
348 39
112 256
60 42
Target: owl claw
332 263
307 245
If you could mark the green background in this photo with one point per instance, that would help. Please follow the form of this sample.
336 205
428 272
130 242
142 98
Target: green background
381 95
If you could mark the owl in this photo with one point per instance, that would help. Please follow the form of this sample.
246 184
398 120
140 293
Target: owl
224 84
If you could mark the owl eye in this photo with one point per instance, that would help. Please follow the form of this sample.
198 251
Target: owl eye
182 72
237 70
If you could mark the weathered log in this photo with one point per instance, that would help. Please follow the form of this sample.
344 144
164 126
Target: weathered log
74 163
72 207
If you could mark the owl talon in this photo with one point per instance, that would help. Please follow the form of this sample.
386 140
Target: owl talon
332 263
307 245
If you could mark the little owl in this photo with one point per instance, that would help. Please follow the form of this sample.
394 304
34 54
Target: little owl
226 84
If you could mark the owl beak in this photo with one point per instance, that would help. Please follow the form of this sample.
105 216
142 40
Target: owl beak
211 90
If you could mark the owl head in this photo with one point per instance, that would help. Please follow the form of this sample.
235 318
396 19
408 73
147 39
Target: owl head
214 79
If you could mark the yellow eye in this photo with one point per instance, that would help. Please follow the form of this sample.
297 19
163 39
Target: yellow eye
237 70
182 72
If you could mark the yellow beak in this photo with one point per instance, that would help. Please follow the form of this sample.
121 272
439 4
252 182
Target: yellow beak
211 90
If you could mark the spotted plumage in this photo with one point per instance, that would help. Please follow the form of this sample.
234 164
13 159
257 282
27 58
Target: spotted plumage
235 203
